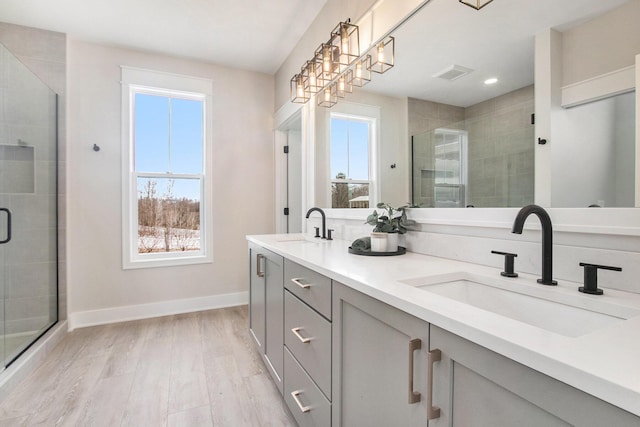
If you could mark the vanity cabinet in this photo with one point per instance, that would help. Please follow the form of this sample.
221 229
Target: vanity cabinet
379 363
475 386
266 308
307 332
342 358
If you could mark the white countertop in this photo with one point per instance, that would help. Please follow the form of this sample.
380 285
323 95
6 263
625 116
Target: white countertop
604 363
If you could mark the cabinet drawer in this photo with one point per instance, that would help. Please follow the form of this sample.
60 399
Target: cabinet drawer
311 287
308 337
304 399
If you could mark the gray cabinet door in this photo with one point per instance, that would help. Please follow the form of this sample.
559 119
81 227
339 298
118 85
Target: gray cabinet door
474 386
372 376
274 313
257 296
266 308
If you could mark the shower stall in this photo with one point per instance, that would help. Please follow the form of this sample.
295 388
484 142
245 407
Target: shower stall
28 208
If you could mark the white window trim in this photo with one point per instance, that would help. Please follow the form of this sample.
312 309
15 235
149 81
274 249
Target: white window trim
374 195
137 80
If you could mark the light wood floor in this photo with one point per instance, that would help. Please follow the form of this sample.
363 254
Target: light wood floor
197 369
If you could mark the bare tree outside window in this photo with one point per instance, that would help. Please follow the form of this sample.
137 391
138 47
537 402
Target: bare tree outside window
348 195
167 222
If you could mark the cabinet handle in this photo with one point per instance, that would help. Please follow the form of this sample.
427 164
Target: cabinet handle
414 344
297 281
8 238
300 337
433 356
259 272
295 394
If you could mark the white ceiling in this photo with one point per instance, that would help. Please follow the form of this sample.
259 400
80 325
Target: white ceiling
496 41
254 35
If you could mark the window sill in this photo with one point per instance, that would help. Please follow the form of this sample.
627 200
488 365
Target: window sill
166 262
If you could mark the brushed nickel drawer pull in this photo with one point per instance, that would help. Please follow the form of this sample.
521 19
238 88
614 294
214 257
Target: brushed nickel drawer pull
300 337
259 272
295 394
433 356
414 344
297 281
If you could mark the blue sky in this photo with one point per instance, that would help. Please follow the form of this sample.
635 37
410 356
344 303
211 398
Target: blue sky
169 147
349 148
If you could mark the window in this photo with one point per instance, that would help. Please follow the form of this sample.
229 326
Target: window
350 170
165 186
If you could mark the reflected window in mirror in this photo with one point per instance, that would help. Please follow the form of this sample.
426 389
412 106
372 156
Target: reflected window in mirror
351 142
593 158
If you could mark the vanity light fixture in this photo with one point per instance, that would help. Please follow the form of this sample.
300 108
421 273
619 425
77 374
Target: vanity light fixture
343 85
345 38
328 97
491 81
298 92
337 66
328 56
476 4
384 56
312 75
361 72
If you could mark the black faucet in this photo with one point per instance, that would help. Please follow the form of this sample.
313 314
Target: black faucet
547 239
324 220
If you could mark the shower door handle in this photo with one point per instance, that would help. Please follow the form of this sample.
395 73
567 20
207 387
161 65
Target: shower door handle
8 238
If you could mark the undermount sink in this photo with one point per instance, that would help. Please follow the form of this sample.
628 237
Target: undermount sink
561 312
292 239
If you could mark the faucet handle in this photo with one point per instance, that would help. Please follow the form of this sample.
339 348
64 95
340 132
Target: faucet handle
329 233
317 236
508 263
591 277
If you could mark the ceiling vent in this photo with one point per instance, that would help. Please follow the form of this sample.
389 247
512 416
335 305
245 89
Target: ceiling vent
453 72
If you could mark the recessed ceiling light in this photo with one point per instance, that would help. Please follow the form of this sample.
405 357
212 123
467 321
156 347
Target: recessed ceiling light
491 81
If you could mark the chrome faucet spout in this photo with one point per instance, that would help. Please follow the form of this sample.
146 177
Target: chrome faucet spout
324 220
547 239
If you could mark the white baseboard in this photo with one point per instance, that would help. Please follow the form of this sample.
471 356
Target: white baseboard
83 319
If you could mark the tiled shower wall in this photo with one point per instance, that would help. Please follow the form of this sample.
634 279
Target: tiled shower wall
44 53
500 147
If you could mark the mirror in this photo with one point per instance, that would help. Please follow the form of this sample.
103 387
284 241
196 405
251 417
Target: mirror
444 138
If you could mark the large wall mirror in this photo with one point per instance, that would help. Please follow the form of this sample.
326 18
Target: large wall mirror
453 125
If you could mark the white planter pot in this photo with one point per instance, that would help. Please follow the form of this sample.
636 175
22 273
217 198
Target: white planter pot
392 242
379 242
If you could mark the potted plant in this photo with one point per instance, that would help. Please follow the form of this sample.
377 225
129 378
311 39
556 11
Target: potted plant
393 222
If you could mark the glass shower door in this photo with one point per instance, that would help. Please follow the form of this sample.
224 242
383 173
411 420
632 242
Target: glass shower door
28 207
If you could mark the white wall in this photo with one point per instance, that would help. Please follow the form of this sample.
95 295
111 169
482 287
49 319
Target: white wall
601 45
243 196
596 154
583 161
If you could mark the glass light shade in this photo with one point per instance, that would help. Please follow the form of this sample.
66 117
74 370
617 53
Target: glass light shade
328 97
328 56
343 84
476 4
312 76
383 56
346 38
361 72
298 92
